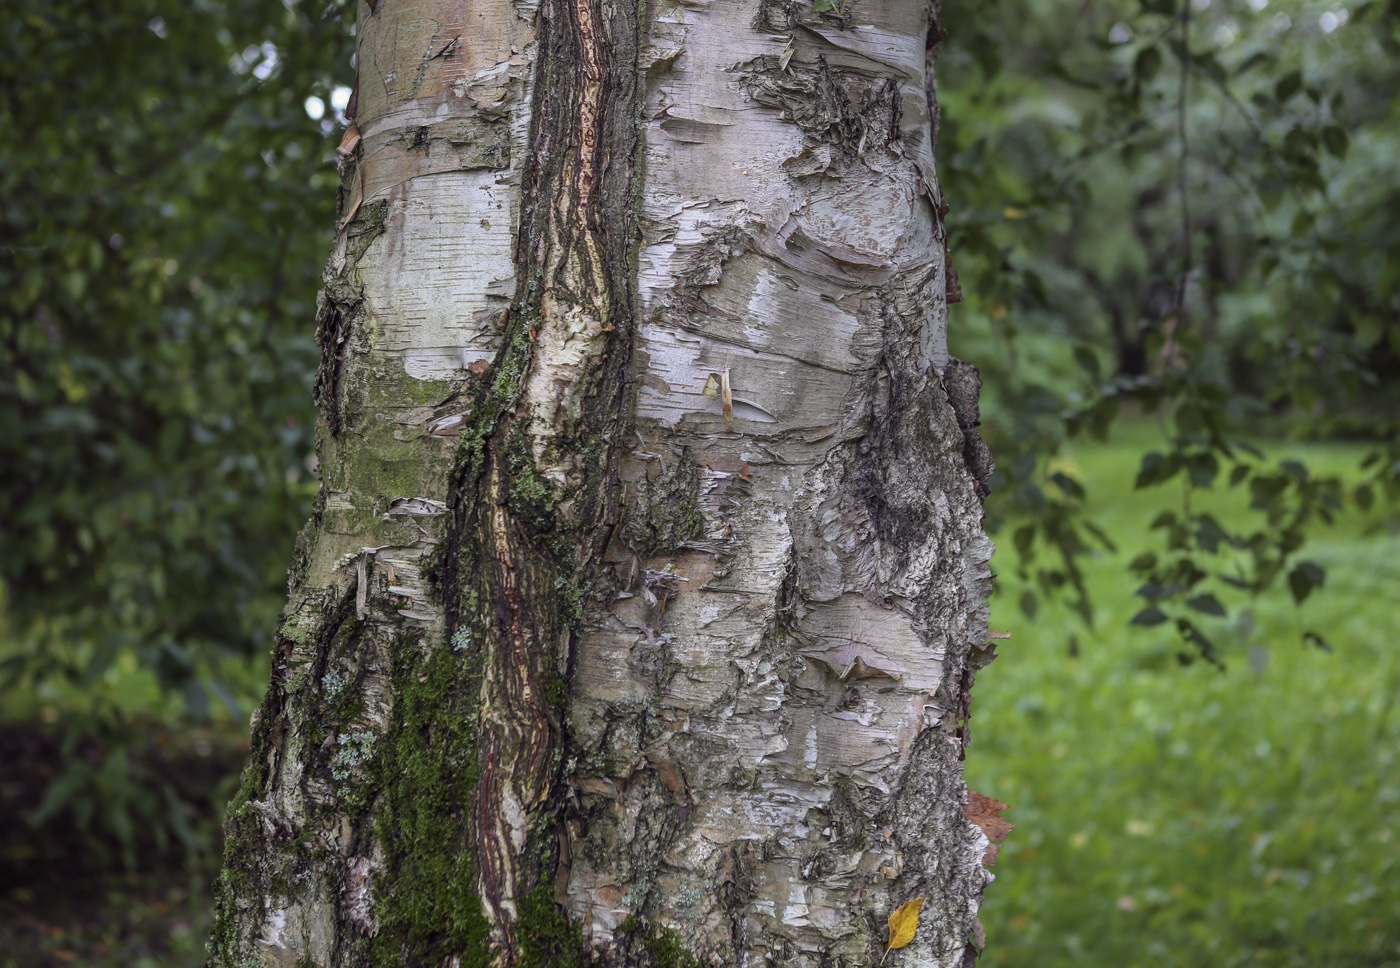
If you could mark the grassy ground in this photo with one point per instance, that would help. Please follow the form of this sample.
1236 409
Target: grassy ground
1166 815
1172 815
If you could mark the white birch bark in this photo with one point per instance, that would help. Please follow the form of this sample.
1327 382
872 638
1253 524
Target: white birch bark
768 704
764 635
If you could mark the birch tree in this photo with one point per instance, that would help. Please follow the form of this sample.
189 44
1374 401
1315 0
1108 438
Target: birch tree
636 620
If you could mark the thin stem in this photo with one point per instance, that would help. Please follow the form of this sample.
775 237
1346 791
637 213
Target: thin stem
1185 156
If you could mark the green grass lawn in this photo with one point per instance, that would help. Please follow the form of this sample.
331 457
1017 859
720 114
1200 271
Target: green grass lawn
1171 815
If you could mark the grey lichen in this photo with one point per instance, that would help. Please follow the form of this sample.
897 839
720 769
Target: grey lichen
333 682
355 749
461 640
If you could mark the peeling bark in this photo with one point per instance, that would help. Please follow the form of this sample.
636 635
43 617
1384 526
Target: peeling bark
583 664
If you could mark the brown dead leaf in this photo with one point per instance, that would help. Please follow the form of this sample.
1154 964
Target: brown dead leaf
952 288
739 469
985 812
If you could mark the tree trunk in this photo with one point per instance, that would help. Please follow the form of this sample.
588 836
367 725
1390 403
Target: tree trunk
637 617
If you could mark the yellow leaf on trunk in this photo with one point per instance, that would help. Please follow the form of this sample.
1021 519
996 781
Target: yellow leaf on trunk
903 923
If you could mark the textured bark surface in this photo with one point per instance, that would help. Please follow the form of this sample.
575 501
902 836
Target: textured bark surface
637 619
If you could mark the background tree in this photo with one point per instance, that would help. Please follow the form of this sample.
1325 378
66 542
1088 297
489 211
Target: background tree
1184 198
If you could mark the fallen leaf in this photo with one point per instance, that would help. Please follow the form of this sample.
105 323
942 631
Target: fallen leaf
903 923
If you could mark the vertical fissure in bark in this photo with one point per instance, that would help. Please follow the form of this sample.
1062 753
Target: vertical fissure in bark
532 502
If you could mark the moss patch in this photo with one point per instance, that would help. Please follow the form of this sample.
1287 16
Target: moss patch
663 946
548 939
428 906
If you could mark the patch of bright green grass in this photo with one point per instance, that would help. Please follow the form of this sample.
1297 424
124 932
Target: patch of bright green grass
1171 815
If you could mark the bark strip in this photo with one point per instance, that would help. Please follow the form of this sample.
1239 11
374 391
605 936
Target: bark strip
534 501
770 708
402 800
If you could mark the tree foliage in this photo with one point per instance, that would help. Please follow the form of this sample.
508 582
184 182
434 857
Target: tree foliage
1182 209
166 210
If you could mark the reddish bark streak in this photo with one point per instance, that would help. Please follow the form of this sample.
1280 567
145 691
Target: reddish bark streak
519 733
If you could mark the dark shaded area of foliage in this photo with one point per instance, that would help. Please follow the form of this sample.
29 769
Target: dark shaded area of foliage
68 897
166 208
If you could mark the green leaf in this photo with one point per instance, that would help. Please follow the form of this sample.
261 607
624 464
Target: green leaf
1202 468
1029 604
1088 361
1148 471
1100 535
1152 615
1288 85
1205 62
1068 485
61 791
1304 578
1024 539
1298 144
1335 140
1196 637
1314 639
1148 62
1144 562
1209 534
1365 497
1164 519
1207 604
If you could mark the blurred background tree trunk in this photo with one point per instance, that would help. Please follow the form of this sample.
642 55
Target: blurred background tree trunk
638 613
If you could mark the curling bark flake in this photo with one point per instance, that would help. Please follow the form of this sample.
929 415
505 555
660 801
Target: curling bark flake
572 672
